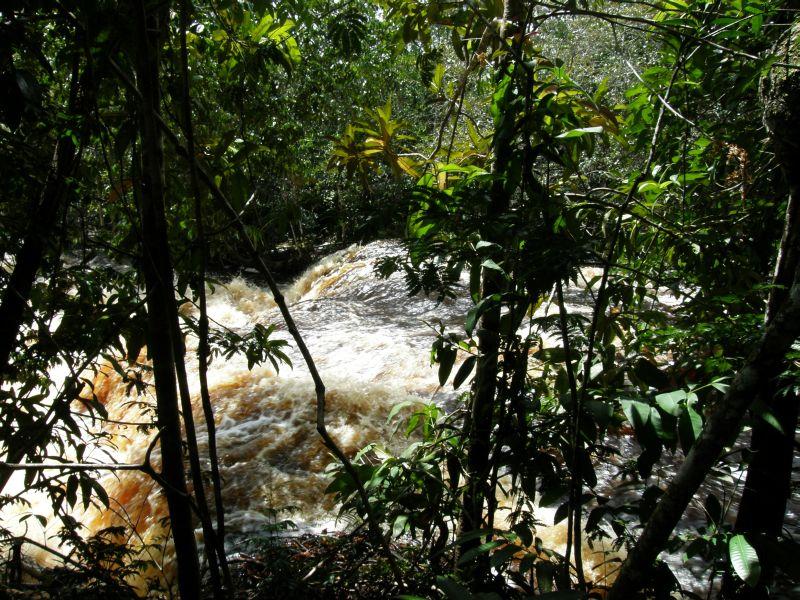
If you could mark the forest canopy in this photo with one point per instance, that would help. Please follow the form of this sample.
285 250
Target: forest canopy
609 189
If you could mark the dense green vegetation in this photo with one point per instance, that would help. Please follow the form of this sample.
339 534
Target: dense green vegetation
146 145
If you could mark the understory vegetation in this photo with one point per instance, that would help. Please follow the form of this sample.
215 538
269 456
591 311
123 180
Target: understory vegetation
641 153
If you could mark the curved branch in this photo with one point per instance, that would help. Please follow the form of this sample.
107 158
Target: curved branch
778 338
280 301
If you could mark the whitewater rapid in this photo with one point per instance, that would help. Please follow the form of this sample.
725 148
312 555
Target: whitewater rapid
371 343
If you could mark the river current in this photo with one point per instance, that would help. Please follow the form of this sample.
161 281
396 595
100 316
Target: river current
371 343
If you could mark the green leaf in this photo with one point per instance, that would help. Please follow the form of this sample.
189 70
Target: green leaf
761 409
86 491
499 103
648 186
744 560
562 512
455 40
102 495
475 281
756 22
718 384
601 411
476 311
490 264
524 533
476 534
649 373
262 27
484 244
447 358
504 554
545 576
669 402
399 525
581 131
553 495
398 407
690 425
464 371
638 414
72 490
473 552
452 590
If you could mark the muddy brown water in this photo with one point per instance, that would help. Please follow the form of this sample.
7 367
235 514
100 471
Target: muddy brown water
371 342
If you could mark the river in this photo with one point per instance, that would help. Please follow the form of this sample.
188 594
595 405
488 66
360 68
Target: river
371 342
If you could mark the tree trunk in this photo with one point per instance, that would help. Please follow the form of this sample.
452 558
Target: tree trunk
195 468
158 274
40 230
767 488
769 354
768 484
482 409
66 158
203 350
481 421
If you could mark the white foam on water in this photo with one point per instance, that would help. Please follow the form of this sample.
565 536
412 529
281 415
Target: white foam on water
371 342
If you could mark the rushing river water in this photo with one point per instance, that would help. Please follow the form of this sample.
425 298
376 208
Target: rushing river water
371 343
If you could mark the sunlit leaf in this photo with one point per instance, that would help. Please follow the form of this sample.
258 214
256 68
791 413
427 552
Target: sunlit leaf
744 560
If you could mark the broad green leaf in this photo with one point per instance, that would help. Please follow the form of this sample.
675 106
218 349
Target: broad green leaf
648 186
663 426
447 357
476 534
399 525
504 554
485 547
490 264
262 27
545 575
718 384
601 411
398 407
476 311
562 512
484 244
649 373
438 77
453 590
638 414
744 560
552 495
690 425
756 22
524 533
669 402
464 371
